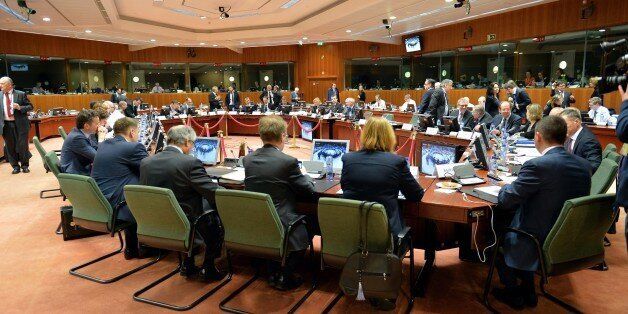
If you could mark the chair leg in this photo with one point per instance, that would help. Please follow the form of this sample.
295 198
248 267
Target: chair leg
411 279
74 270
59 231
556 300
235 293
41 193
136 295
314 281
489 279
331 305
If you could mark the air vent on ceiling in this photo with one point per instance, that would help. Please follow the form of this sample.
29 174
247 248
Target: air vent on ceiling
102 10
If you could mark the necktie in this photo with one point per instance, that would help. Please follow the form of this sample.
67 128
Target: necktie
270 97
568 144
231 98
7 105
446 105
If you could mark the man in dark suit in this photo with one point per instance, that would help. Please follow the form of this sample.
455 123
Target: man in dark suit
537 196
506 120
559 88
333 91
268 93
131 109
78 150
520 98
622 134
14 125
479 117
463 116
117 164
118 96
232 99
214 99
580 140
268 170
185 175
427 96
277 94
439 104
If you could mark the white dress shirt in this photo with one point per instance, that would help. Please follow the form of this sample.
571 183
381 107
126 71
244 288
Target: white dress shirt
115 116
600 116
573 139
548 149
380 104
404 107
4 105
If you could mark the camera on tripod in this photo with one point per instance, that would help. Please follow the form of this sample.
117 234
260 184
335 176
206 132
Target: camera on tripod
614 74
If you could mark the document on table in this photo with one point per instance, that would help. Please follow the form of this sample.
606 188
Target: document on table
508 179
237 176
400 196
490 190
469 181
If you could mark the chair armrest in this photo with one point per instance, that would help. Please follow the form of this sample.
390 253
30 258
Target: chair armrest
403 236
116 210
193 229
539 251
301 220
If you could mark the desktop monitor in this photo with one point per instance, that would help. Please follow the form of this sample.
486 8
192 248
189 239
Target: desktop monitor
159 144
321 149
206 150
304 134
285 109
433 154
425 121
485 136
450 123
156 128
481 154
415 119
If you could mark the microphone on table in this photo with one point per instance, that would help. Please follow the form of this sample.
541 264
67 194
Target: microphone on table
234 158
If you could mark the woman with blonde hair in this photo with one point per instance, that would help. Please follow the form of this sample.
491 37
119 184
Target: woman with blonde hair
533 115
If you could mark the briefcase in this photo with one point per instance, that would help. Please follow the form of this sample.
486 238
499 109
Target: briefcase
72 231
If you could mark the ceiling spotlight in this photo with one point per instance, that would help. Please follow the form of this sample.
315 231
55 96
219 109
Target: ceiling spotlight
241 43
521 53
46 19
516 51
152 40
176 44
203 17
202 44
393 17
224 12
304 38
348 31
88 31
461 3
505 50
602 30
505 45
214 45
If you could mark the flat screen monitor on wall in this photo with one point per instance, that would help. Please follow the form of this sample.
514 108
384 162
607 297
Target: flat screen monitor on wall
413 44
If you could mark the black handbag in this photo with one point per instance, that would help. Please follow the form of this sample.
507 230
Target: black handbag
368 274
72 231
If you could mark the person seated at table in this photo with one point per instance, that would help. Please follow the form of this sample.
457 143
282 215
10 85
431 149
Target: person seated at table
131 109
378 103
265 105
350 109
38 89
533 115
506 119
157 89
336 106
78 150
580 140
598 113
409 104
185 175
117 164
463 116
479 117
268 170
284 102
173 109
537 197
249 105
116 113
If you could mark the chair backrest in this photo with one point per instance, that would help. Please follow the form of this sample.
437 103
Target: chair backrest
610 147
604 176
339 221
613 156
90 208
251 223
62 132
52 161
161 222
576 239
40 149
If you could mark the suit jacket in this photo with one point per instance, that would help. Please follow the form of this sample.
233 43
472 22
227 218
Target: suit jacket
116 98
338 108
331 92
77 153
184 175
277 96
528 131
378 177
466 117
236 100
437 105
425 100
522 100
567 101
214 103
491 106
513 124
622 133
21 116
362 96
588 147
542 187
271 99
118 164
131 110
268 170
294 97
486 119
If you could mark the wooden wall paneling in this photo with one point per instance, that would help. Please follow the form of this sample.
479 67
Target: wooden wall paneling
270 54
180 54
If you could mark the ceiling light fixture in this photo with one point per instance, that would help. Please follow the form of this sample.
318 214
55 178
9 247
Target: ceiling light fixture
348 31
176 44
214 45
602 30
203 17
242 43
224 13
505 45
505 50
393 17
46 19
153 40
304 38
88 31
289 4
202 44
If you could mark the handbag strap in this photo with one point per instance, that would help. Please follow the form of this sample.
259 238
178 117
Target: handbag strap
361 243
366 225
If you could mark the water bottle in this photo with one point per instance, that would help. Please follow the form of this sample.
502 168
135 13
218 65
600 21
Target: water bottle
504 148
329 168
493 164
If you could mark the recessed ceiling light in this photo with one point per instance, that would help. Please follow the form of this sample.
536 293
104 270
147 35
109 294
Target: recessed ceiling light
202 44
304 38
348 31
86 62
602 30
448 1
46 19
203 17
505 45
176 44
553 51
214 45
393 17
32 57
521 53
516 51
242 43
89 31
152 40
505 50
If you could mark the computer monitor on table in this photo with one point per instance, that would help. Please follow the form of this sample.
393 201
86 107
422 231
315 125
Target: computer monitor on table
425 121
321 149
485 136
159 143
285 109
433 154
156 127
206 150
450 124
480 154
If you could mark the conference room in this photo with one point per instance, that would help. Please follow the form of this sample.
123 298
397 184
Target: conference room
314 156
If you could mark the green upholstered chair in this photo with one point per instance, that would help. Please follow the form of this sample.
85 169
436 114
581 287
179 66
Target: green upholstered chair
91 210
42 153
62 132
339 221
161 223
574 243
253 228
610 147
613 156
51 160
604 176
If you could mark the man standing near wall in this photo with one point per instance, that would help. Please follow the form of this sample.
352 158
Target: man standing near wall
14 125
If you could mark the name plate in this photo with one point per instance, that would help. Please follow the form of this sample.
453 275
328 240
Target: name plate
362 122
294 113
407 127
220 112
183 116
256 112
161 118
465 135
211 113
233 112
314 115
431 131
269 113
